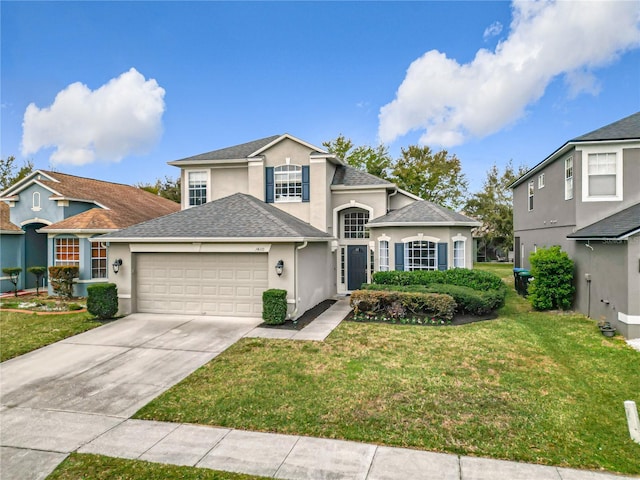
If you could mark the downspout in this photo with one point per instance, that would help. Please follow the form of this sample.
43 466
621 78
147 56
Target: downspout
295 279
389 198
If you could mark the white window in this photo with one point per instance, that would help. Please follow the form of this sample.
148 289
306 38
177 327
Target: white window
67 252
98 260
458 254
541 181
342 265
353 224
384 255
197 188
568 178
602 174
420 255
530 193
287 181
35 204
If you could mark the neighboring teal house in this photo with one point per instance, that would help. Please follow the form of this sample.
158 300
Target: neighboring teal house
48 217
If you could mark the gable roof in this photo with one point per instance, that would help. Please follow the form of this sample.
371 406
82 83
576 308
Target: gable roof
243 151
617 226
625 129
118 205
423 212
352 177
236 217
5 223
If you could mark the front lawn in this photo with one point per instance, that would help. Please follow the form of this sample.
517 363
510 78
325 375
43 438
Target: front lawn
97 467
533 387
23 332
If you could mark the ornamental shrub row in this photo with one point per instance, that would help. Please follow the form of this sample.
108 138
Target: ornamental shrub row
395 304
462 277
468 300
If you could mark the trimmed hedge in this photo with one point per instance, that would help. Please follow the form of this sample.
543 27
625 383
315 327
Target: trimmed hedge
274 306
62 280
552 284
102 300
14 274
476 279
38 272
397 305
468 300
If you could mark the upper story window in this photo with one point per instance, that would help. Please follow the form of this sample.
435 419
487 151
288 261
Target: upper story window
602 174
383 259
67 252
287 183
35 201
530 189
458 254
354 222
541 181
420 255
568 178
197 188
98 260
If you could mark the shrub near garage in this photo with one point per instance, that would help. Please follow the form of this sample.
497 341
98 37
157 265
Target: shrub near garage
274 306
102 300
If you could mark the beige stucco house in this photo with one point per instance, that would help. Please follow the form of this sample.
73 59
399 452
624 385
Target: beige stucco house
278 213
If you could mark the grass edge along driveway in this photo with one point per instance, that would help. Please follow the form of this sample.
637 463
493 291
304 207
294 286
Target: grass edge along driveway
534 387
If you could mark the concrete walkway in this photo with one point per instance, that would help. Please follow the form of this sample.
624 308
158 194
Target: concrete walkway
78 395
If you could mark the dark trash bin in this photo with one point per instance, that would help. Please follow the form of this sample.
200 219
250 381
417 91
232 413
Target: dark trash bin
516 278
524 278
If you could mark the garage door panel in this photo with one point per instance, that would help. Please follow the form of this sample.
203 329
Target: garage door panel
207 284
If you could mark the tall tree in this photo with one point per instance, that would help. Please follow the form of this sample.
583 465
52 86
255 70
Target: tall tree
493 205
168 188
373 160
8 173
436 177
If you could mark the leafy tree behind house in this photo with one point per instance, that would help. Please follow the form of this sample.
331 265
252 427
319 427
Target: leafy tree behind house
493 206
436 177
10 173
168 188
373 160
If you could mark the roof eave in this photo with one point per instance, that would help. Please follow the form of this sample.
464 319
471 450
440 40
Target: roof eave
424 224
76 230
283 137
374 186
215 239
185 162
12 232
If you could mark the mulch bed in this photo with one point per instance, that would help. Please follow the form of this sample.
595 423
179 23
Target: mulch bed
457 320
306 318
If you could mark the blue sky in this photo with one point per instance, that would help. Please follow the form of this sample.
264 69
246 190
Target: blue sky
489 81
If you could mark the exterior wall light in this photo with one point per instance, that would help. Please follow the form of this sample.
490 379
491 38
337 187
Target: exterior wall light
279 267
116 265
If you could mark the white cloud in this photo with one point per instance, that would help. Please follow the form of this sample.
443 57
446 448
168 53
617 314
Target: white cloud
492 30
451 102
120 118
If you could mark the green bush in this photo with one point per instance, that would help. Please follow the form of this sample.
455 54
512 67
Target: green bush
14 274
102 300
274 306
476 279
468 300
552 284
394 304
38 272
62 280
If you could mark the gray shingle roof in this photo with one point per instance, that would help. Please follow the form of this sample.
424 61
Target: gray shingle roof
614 226
624 129
424 212
237 151
236 216
352 177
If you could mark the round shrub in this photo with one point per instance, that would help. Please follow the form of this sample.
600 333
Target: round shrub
102 300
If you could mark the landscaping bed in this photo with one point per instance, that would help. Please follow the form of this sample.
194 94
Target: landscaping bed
305 319
43 303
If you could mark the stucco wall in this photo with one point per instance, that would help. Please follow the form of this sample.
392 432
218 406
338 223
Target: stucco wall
229 180
543 238
23 209
11 255
316 276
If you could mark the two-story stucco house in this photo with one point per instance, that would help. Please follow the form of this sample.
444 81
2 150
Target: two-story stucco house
278 213
585 197
48 218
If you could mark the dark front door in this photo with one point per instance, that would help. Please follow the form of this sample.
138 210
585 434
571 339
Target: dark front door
356 266
35 252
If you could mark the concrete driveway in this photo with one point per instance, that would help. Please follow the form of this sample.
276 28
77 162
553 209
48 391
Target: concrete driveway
62 396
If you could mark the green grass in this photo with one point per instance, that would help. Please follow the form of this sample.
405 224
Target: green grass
97 467
23 332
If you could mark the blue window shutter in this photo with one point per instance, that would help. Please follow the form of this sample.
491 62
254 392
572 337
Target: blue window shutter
442 256
269 185
305 183
399 262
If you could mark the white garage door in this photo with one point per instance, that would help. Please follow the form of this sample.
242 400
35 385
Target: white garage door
201 283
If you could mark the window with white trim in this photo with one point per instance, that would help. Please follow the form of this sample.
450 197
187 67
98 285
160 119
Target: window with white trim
530 189
342 265
541 181
353 224
420 255
601 169
98 260
568 178
67 252
35 201
458 254
383 251
197 188
287 183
